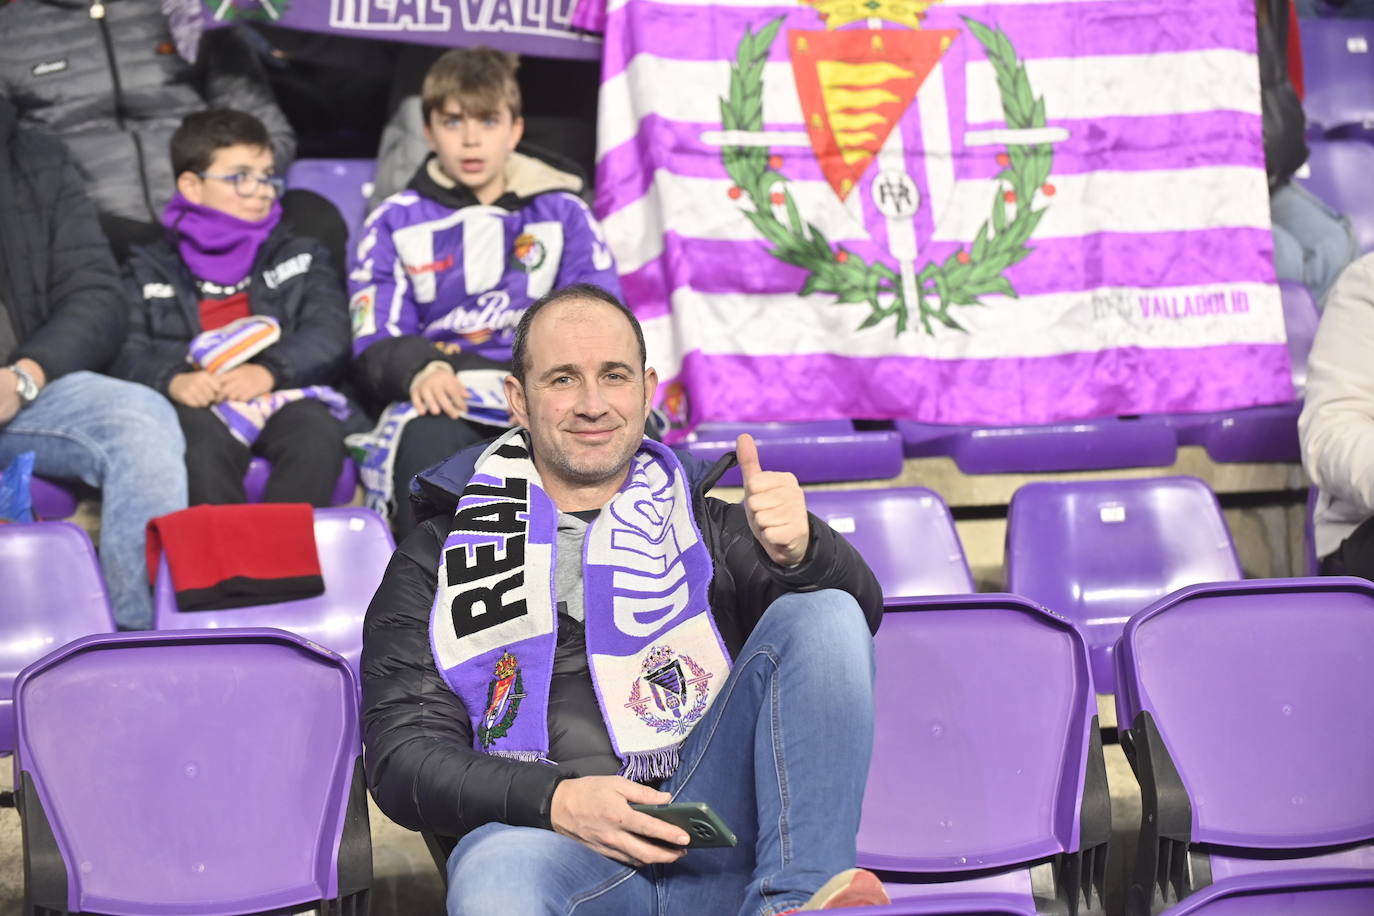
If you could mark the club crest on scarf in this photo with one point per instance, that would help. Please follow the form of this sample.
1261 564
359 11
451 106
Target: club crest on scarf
503 701
670 692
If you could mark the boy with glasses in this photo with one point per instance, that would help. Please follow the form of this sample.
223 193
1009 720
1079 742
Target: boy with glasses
240 323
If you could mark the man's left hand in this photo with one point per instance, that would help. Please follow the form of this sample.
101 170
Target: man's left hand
775 506
243 383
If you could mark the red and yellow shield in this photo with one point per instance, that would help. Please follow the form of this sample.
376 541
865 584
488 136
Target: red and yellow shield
854 87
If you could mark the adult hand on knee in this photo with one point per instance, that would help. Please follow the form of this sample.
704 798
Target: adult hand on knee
195 389
595 810
775 506
243 383
439 392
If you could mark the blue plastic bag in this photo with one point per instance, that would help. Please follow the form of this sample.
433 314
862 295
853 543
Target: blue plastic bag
16 504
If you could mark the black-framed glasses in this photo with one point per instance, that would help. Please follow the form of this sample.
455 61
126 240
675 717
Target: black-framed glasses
247 184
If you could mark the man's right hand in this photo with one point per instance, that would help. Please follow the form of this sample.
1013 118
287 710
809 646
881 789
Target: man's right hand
9 396
439 392
195 389
595 810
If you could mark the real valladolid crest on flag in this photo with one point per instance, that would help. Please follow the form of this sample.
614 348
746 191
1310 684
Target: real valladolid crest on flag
949 211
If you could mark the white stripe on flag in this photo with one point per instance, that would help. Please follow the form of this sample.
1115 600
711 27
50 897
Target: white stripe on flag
1173 200
1073 88
741 324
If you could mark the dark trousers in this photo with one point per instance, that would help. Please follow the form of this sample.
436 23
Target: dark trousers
425 442
303 442
1355 556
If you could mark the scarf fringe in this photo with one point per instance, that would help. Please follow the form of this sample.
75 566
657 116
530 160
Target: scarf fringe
650 766
522 756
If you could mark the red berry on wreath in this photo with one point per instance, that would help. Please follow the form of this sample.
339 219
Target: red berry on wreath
963 257
841 256
777 198
734 193
1003 160
775 162
1009 197
1048 189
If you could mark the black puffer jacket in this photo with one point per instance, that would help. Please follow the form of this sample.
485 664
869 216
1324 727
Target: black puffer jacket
420 762
58 281
115 89
294 281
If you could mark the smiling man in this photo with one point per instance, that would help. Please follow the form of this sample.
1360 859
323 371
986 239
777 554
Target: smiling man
446 267
575 627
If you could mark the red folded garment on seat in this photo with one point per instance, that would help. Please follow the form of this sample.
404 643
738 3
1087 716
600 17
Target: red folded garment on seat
232 556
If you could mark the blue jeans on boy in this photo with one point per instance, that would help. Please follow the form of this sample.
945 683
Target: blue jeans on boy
782 756
1312 242
124 439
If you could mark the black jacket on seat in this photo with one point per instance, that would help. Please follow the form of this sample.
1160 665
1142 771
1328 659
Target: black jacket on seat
421 765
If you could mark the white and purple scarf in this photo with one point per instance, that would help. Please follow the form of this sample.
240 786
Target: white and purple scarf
375 450
234 344
656 659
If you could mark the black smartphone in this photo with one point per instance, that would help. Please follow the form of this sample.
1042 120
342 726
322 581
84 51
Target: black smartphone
703 826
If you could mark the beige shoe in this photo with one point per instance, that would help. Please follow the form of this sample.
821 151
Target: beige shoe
850 888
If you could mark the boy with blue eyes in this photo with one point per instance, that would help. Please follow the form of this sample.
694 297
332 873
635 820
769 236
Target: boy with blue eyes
446 267
240 323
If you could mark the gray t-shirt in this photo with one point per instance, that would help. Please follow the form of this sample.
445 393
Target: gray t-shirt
572 534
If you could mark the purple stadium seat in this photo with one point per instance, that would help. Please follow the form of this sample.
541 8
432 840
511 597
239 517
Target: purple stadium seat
1338 71
822 452
255 481
1337 171
354 546
1078 445
906 535
1300 318
1319 892
192 772
1248 723
987 763
51 500
1099 551
53 594
1268 433
345 182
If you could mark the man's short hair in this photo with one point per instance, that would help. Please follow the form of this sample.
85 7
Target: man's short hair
480 79
519 354
204 133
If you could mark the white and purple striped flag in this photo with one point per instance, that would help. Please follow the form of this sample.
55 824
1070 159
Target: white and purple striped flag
951 211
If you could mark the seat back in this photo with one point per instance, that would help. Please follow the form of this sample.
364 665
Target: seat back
1323 892
819 452
260 470
906 534
1249 686
346 183
53 592
190 771
1099 551
354 546
1336 171
986 751
1338 71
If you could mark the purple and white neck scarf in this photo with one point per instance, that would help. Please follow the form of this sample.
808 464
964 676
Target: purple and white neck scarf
230 346
656 658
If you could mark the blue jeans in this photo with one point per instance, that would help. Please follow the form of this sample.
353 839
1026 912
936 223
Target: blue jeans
1312 242
782 756
124 439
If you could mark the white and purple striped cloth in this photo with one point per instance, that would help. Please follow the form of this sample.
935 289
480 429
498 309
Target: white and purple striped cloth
1149 283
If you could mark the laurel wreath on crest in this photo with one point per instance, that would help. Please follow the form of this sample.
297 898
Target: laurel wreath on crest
966 275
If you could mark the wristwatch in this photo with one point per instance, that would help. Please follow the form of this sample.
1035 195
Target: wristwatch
28 388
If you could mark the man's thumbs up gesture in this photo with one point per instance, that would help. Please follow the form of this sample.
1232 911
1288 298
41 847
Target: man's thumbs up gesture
775 506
